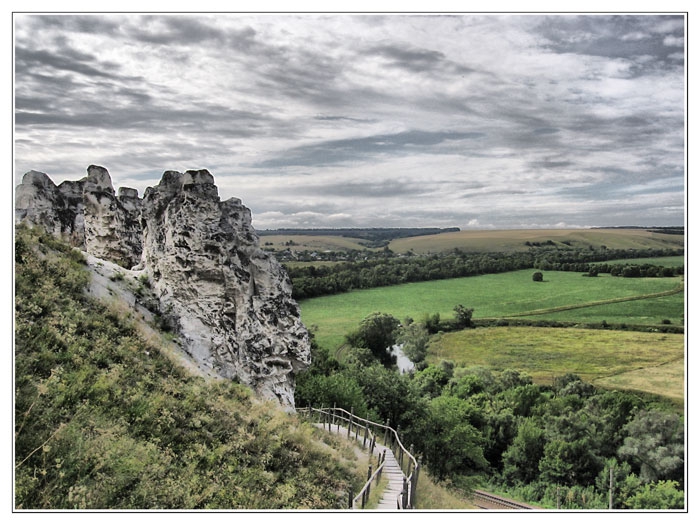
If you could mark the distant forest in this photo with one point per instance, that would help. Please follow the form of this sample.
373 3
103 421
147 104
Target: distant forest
370 234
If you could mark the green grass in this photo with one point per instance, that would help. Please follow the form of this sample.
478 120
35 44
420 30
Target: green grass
496 296
650 312
106 420
650 362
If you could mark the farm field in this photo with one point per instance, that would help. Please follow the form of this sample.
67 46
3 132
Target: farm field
496 296
311 243
514 240
649 362
643 311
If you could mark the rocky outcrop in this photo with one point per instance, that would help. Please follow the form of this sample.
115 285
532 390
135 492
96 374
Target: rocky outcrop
58 209
229 301
112 231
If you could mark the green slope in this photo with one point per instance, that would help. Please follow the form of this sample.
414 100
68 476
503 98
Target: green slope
104 420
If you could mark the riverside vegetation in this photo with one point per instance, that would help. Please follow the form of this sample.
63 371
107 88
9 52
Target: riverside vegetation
104 420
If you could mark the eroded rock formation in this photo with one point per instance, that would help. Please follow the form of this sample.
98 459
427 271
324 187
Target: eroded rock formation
229 301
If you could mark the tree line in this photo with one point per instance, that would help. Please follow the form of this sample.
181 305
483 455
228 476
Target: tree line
313 281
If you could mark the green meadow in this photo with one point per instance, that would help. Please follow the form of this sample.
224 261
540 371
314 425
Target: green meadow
562 296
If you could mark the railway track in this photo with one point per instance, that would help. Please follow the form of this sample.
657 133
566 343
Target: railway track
484 500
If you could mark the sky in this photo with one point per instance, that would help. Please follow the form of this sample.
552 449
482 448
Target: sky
322 121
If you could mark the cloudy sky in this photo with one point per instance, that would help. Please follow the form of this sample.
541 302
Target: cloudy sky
475 121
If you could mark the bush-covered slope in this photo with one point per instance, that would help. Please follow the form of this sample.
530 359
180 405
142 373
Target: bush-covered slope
103 420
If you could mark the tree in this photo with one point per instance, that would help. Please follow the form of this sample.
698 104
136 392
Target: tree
537 277
568 463
432 322
432 379
655 445
521 459
377 332
464 316
414 340
618 473
337 389
660 495
454 447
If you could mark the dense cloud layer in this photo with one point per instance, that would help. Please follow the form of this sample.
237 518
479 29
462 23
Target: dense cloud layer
315 121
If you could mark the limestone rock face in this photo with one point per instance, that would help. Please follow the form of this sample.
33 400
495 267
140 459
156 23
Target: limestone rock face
228 300
231 300
112 231
58 209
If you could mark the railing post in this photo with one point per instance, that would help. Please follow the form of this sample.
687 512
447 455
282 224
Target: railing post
350 498
364 439
369 475
333 416
414 485
404 494
352 411
386 432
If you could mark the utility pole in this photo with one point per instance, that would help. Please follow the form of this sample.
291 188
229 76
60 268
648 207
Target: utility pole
610 491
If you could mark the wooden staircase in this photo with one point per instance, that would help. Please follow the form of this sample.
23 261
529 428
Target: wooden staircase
401 486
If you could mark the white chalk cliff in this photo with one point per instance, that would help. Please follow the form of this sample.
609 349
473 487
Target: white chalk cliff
228 300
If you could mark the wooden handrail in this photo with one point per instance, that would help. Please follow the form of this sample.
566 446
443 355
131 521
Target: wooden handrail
363 495
407 498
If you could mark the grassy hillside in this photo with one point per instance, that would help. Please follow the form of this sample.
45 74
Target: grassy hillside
514 240
499 295
104 420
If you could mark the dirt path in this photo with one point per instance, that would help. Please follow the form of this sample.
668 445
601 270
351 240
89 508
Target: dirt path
596 303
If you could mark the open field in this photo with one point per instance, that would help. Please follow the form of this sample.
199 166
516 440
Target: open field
642 311
666 379
514 240
650 362
311 242
500 295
